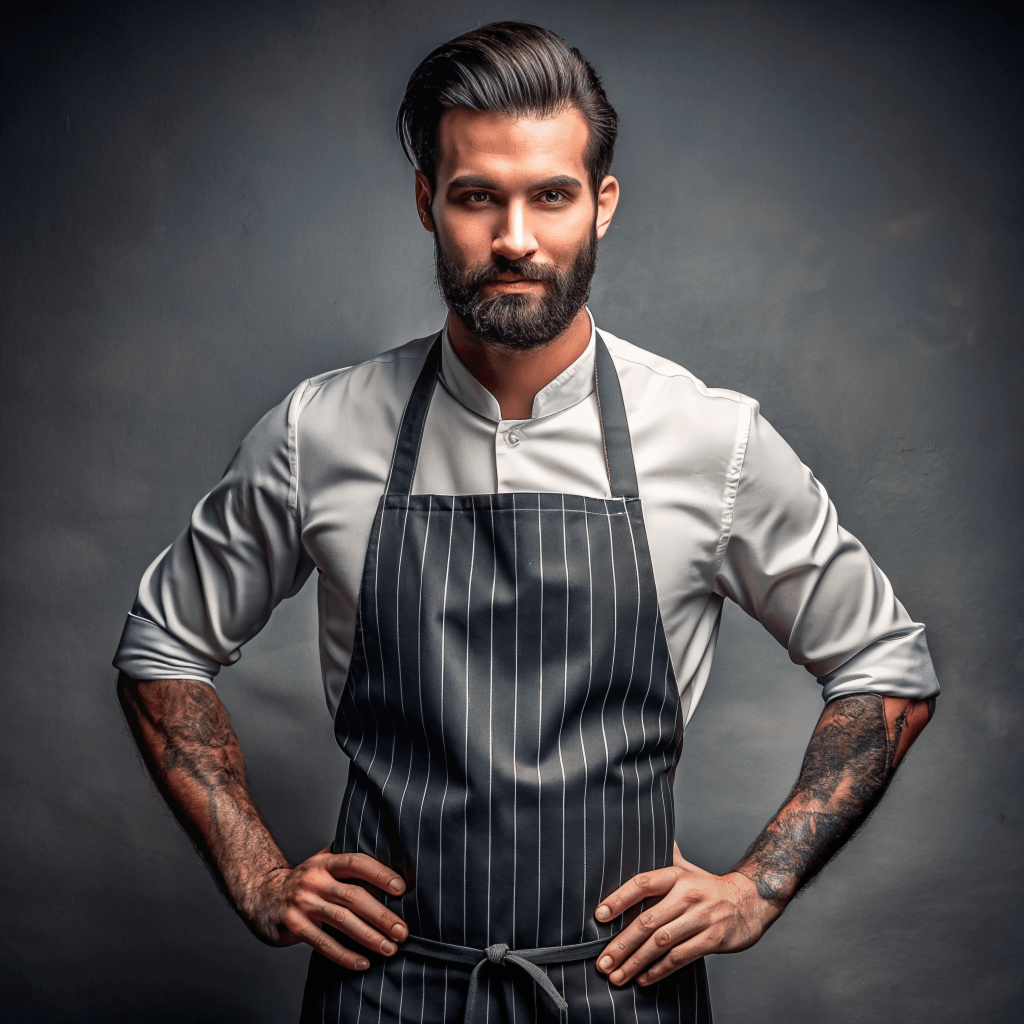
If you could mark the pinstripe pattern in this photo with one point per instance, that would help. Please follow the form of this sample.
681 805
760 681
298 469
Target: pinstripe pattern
513 725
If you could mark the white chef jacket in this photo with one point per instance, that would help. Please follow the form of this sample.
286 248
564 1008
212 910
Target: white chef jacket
730 512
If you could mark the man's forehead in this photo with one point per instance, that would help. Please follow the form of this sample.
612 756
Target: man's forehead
475 142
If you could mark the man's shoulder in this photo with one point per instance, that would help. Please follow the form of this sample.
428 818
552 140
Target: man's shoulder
646 373
371 386
382 368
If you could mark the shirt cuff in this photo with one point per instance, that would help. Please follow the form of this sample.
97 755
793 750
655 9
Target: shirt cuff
897 665
148 652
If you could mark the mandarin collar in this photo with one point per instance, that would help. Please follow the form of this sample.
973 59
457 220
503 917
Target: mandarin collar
569 388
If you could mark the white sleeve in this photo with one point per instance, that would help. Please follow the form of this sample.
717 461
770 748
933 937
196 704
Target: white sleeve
215 587
811 584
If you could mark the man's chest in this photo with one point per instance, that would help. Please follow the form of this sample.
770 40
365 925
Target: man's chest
463 453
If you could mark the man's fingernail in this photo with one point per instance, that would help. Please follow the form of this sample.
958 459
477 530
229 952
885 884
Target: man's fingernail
398 932
602 913
361 965
606 962
395 885
387 948
616 978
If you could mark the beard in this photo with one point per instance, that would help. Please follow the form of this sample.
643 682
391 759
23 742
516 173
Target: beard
517 322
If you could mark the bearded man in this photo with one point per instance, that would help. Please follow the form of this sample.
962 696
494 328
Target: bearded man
525 529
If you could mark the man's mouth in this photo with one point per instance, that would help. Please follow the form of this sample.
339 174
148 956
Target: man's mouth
507 282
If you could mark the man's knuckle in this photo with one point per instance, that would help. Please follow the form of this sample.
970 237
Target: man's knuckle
663 938
677 956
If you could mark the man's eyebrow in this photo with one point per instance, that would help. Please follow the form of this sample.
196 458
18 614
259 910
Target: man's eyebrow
471 181
477 181
558 181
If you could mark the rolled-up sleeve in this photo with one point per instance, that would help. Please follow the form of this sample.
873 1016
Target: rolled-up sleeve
215 587
814 587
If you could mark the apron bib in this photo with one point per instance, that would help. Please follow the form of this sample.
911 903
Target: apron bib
513 725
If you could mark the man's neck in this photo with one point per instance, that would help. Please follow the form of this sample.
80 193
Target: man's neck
514 378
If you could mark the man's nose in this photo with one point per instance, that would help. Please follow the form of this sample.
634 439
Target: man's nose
514 239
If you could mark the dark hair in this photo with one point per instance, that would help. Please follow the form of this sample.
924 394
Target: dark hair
508 67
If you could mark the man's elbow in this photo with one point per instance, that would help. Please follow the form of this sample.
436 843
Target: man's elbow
905 719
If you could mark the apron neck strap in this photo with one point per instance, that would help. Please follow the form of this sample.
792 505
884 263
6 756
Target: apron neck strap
618 450
410 433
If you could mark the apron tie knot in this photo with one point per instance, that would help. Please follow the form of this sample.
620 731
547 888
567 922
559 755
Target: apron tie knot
496 953
499 955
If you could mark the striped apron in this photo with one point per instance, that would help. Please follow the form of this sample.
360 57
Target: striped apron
513 725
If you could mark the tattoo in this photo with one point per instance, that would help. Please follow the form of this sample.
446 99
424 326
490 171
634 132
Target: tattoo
191 750
849 764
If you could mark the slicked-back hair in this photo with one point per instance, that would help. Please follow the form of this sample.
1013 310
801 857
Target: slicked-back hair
512 68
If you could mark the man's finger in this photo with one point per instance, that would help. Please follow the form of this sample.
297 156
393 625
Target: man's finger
661 926
364 867
637 933
356 899
661 941
679 956
353 926
300 925
639 887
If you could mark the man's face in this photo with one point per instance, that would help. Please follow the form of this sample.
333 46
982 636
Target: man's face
515 223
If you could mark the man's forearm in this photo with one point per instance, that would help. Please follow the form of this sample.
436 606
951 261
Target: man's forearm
852 756
192 752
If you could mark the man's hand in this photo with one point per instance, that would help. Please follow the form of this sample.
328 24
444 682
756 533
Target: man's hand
853 754
699 913
292 904
193 755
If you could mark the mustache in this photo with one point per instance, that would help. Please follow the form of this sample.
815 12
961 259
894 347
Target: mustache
513 321
484 273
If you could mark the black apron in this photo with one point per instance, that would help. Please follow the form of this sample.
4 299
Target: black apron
513 725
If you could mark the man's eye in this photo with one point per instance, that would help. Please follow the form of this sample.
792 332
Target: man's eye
477 197
552 197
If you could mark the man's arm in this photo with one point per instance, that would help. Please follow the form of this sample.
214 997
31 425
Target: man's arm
193 755
853 754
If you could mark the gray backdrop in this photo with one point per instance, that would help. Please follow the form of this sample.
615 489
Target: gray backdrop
204 203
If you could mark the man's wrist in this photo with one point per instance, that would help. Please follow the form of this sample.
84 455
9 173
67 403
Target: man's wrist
754 897
256 896
774 888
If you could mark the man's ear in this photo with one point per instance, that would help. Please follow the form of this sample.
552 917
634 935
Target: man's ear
424 199
607 200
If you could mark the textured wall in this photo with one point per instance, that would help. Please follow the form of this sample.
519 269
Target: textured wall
204 203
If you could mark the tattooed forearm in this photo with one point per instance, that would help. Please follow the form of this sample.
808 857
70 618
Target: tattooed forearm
850 761
193 755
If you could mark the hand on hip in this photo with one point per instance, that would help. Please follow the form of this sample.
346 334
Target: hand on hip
698 913
292 904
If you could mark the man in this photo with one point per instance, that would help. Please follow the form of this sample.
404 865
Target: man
524 530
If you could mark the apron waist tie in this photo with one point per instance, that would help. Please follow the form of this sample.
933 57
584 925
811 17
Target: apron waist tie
525 959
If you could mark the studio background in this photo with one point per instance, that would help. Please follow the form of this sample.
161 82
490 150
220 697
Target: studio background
204 203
